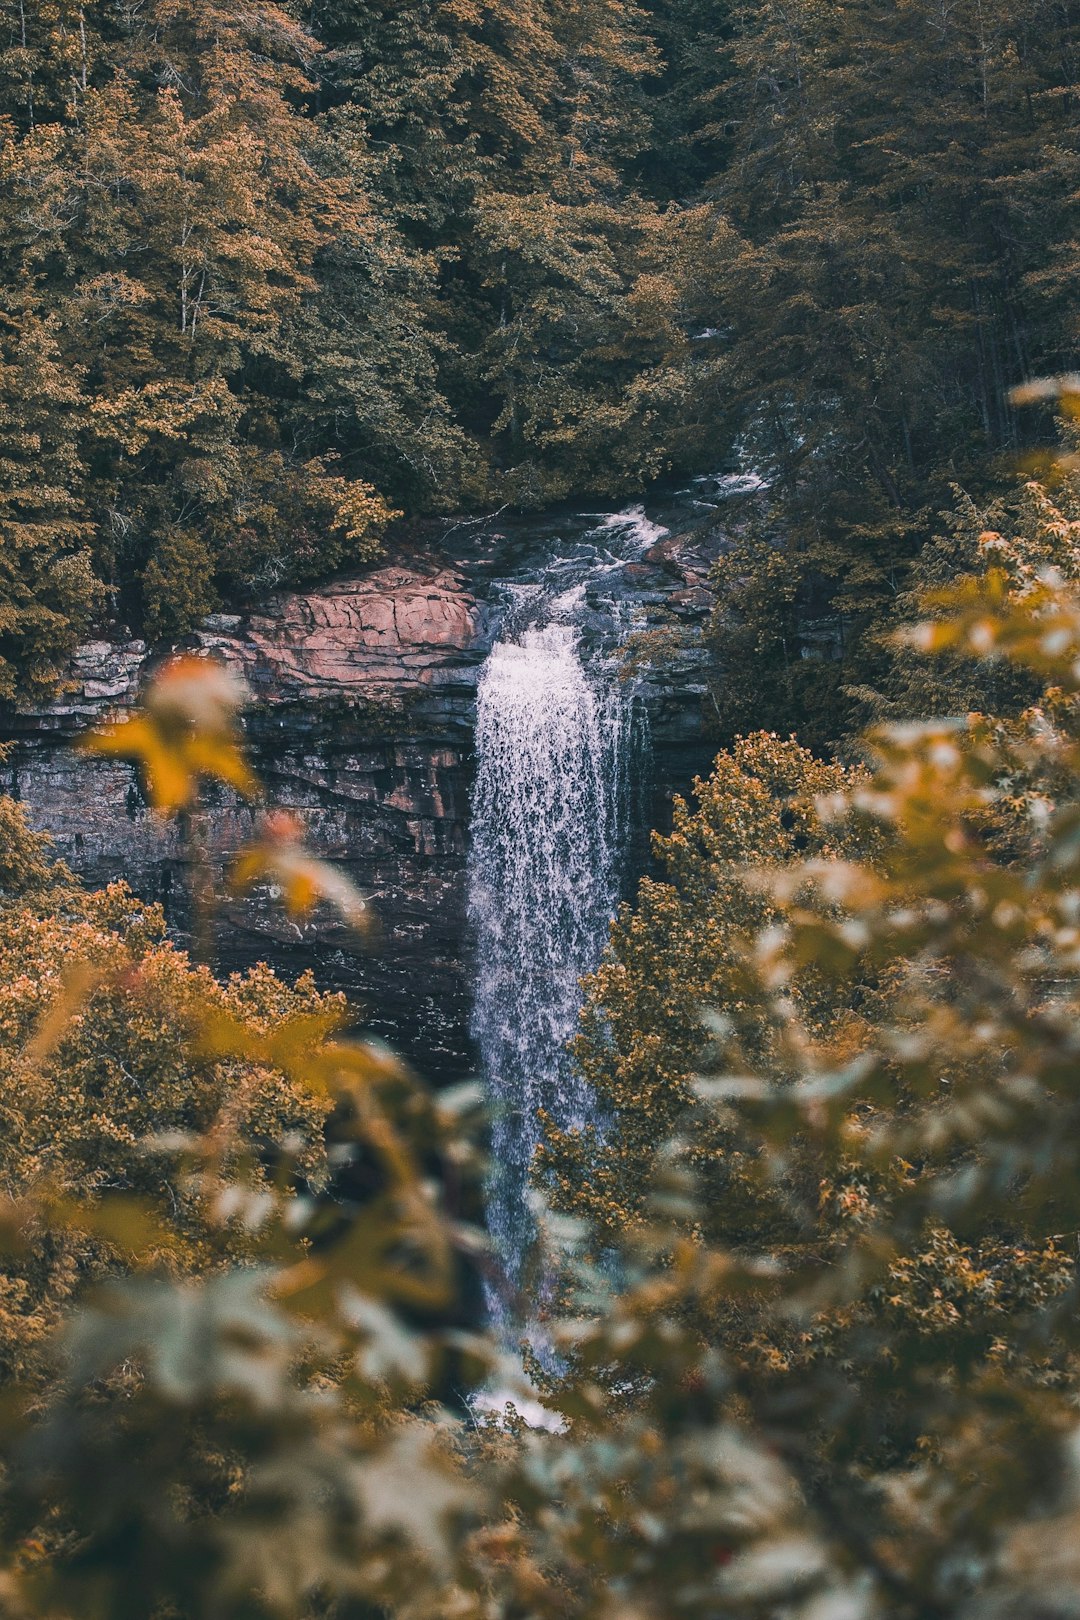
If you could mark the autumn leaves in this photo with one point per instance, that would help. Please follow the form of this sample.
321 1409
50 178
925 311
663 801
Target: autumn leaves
188 731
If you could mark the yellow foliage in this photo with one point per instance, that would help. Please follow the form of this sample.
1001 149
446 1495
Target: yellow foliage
105 1096
279 856
187 731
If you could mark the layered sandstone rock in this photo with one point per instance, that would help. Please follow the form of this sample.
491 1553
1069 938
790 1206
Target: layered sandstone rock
362 692
395 631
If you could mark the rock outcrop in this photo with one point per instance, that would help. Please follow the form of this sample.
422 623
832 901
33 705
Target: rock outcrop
395 632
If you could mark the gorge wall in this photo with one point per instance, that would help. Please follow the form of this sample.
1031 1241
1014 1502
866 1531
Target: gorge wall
362 716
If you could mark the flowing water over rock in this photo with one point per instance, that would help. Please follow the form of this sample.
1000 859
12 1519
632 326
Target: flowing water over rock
362 725
559 749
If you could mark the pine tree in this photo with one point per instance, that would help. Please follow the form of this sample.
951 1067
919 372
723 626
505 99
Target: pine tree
165 227
899 186
504 136
49 592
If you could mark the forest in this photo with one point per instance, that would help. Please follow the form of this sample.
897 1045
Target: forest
759 1297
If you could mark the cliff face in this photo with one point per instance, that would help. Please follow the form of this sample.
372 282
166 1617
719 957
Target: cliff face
361 721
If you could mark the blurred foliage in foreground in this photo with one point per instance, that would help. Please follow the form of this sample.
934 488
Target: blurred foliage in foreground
836 1379
877 1187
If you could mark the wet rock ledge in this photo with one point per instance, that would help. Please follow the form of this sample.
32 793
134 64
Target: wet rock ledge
361 721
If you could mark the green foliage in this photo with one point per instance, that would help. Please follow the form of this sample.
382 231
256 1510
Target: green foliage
25 863
274 275
817 1325
875 1188
116 1101
48 589
165 196
211 1222
1033 528
177 583
774 619
505 136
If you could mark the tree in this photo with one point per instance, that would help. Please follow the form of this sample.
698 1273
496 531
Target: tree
49 591
894 181
874 1189
162 230
857 1397
205 1185
118 1096
676 957
505 138
1029 529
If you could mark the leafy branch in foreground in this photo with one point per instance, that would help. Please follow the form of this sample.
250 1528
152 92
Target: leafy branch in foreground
877 1188
857 1404
227 1269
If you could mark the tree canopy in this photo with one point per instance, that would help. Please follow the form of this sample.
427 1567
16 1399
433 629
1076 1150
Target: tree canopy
275 275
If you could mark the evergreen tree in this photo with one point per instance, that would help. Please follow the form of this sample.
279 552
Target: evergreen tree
49 591
305 264
676 961
1025 532
164 229
899 182
505 136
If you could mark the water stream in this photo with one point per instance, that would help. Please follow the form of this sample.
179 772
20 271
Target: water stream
559 747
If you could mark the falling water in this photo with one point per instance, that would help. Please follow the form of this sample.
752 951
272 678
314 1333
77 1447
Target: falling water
554 745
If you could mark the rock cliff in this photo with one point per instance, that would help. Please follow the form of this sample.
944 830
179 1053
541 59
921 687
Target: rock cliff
361 721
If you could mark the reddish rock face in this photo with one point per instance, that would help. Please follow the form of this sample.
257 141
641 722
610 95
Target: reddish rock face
361 727
668 555
390 633
393 633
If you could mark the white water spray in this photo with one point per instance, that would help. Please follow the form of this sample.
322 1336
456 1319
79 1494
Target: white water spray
550 815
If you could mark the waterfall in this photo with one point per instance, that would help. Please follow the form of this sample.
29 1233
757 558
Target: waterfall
550 813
